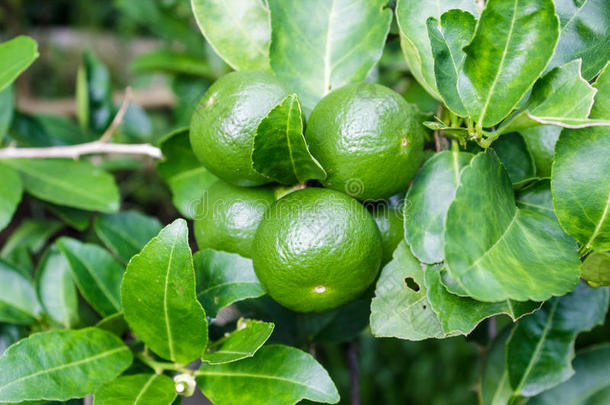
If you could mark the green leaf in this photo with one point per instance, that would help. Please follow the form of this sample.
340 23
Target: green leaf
516 253
563 86
326 45
596 269
537 197
114 323
581 186
224 278
159 300
77 219
18 301
411 16
601 107
512 45
461 314
540 142
27 240
276 375
149 389
516 158
77 184
125 233
541 347
96 273
494 386
400 308
246 45
95 108
56 289
447 40
183 172
16 56
61 365
172 62
427 202
590 384
280 151
583 34
7 108
10 194
243 342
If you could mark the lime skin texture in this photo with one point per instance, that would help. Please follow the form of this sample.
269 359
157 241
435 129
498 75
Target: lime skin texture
225 121
316 249
228 217
368 139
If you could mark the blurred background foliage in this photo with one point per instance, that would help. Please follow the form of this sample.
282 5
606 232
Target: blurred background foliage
154 47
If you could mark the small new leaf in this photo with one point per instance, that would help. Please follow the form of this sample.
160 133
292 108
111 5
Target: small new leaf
243 342
280 151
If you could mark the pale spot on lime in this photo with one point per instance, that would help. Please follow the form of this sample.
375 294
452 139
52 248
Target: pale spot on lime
403 142
320 289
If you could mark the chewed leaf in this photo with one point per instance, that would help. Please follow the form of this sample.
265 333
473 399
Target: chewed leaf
280 151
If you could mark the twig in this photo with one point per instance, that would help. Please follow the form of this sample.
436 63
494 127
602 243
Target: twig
118 118
354 383
75 151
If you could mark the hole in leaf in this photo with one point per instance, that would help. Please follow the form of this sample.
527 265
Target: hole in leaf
411 284
423 307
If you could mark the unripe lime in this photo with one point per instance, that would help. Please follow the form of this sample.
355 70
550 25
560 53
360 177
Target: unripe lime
225 121
368 138
229 216
316 249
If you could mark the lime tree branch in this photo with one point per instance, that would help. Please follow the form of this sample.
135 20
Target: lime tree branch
75 151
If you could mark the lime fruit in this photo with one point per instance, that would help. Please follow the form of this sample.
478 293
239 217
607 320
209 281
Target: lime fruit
368 138
390 223
316 249
225 121
229 216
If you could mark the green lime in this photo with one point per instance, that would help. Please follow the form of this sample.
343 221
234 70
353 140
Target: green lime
368 138
316 249
229 215
225 121
390 223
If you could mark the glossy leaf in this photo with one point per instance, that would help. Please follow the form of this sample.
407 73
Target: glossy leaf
246 45
276 375
10 194
243 342
427 202
18 301
280 151
516 158
583 34
541 144
77 184
77 219
16 55
517 254
158 297
125 233
537 197
512 45
326 45
411 16
581 186
561 87
494 386
541 346
56 289
462 314
61 365
95 108
596 269
168 61
224 278
601 107
447 39
184 174
150 389
590 384
96 273
400 308
7 108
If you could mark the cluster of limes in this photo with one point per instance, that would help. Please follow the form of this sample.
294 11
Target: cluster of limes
315 248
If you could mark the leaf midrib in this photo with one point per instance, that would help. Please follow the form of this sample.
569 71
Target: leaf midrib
598 227
170 341
144 388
